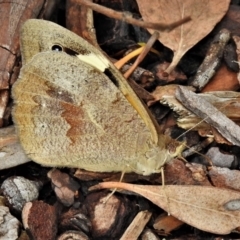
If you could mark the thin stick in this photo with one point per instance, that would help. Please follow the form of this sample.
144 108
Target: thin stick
143 54
127 17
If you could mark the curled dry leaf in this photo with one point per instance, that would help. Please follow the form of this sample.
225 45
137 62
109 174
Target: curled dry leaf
205 15
207 208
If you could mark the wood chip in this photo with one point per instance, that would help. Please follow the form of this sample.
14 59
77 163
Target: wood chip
137 226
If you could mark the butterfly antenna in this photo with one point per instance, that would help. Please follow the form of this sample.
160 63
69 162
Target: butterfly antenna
205 143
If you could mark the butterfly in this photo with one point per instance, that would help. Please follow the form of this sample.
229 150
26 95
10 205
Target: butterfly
73 108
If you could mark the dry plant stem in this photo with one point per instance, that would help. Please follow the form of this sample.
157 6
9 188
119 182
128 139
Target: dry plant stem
212 60
212 115
128 57
125 16
143 54
173 64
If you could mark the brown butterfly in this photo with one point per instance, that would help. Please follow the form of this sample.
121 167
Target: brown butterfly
73 108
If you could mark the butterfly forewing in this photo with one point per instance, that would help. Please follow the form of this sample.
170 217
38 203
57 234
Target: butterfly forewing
68 113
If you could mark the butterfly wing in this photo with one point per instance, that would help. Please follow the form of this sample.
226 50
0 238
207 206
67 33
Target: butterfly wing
40 36
68 113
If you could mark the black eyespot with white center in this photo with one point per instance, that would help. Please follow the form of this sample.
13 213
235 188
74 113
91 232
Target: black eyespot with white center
57 48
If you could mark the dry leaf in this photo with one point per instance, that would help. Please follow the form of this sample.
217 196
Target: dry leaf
223 80
166 224
210 209
205 15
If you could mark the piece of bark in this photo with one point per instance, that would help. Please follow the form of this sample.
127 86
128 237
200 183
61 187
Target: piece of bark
176 172
199 173
40 220
65 187
83 28
137 225
75 219
212 60
109 216
13 14
210 114
9 225
19 190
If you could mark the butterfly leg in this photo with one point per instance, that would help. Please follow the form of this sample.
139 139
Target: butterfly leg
115 189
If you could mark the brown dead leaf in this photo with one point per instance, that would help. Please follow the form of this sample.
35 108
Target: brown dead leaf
166 224
205 15
223 80
206 208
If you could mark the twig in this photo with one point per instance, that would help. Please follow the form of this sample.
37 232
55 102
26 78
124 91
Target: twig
212 60
143 54
210 114
127 17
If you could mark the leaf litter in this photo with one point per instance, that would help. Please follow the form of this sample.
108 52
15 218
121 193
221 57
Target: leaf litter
207 208
204 16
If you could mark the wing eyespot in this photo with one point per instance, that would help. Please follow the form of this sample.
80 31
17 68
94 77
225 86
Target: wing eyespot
57 48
